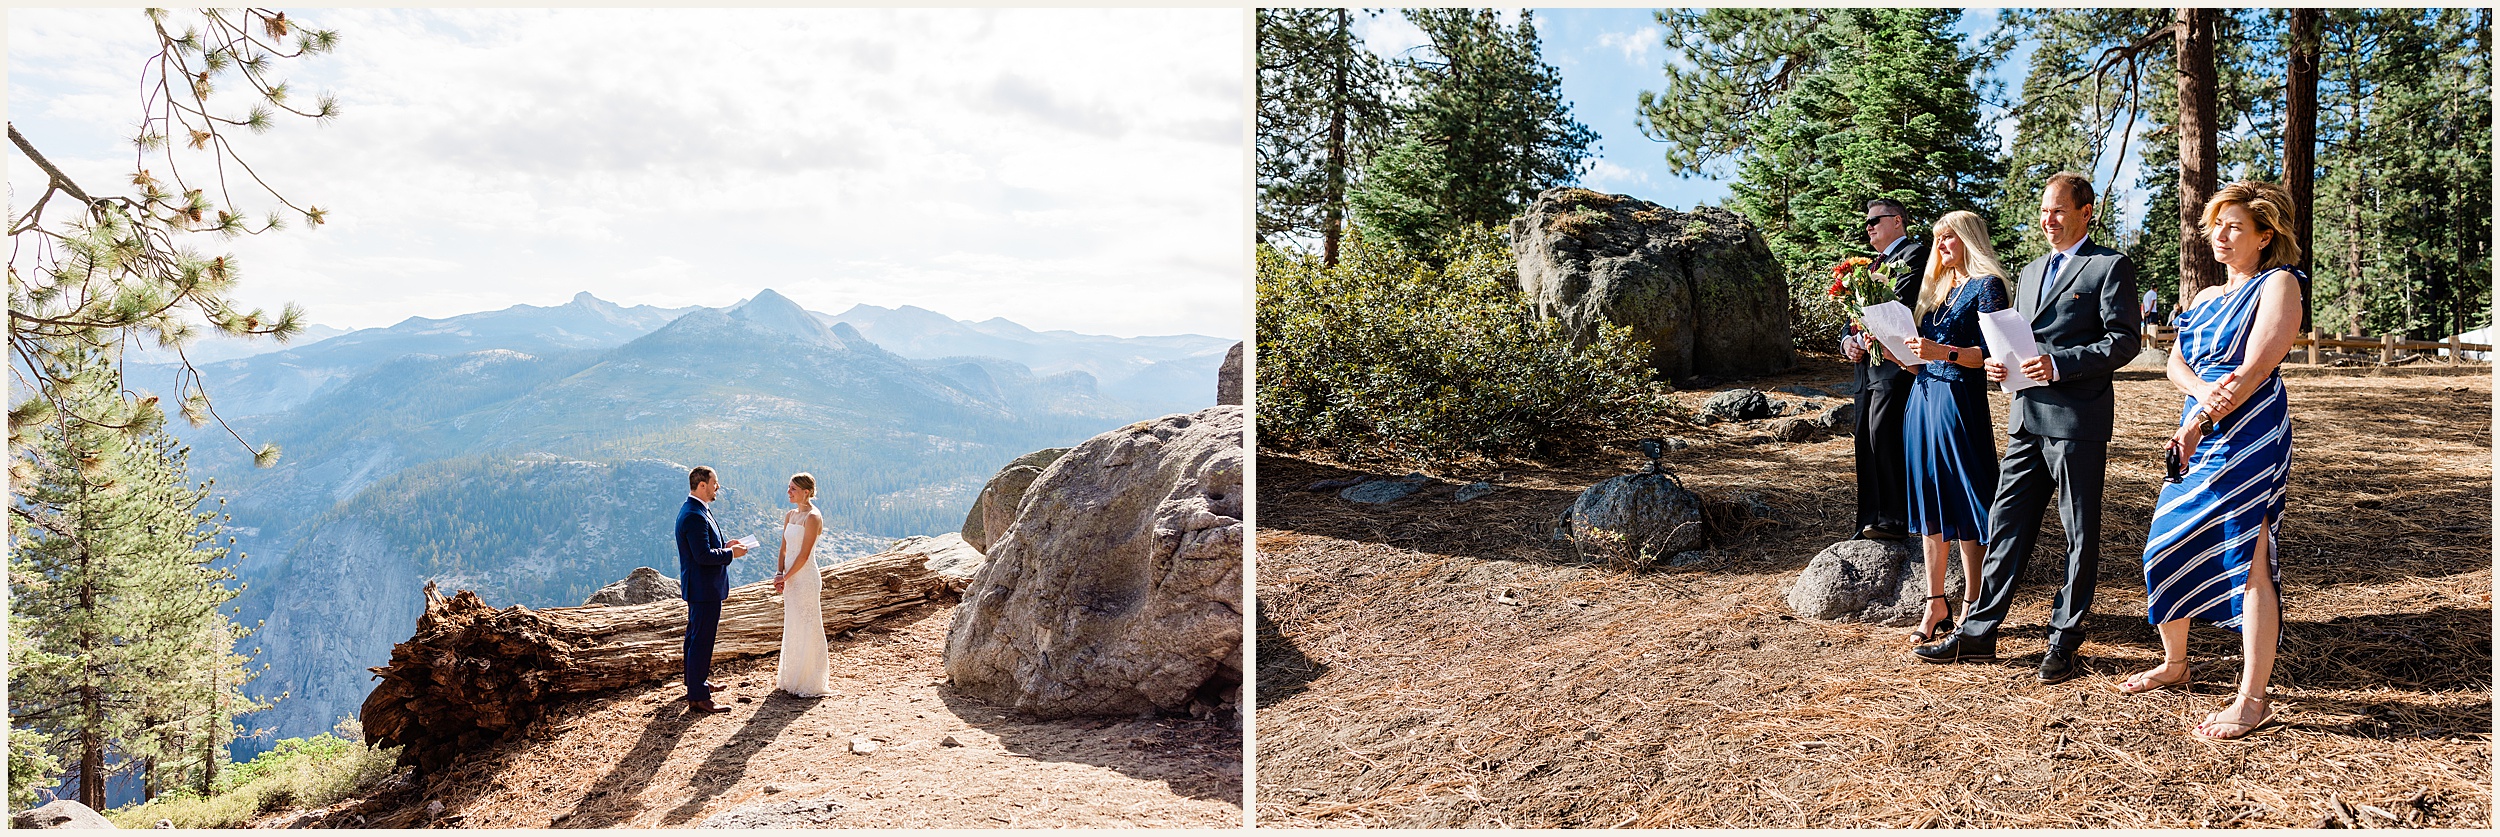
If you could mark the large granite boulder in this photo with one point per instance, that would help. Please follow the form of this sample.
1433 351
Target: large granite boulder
1228 378
642 586
1875 581
1635 520
1701 288
61 813
1117 589
996 507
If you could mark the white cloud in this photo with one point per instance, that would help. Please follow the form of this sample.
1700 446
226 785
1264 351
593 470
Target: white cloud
1635 46
676 156
1388 33
1606 176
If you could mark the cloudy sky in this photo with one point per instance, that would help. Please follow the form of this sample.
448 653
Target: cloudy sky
1077 169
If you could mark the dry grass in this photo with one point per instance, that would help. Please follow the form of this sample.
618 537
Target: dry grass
1396 688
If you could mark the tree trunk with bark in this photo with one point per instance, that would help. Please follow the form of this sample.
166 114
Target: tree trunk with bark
2197 152
1335 209
473 674
2300 140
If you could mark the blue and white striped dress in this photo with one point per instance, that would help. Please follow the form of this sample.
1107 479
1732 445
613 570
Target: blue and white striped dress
2206 526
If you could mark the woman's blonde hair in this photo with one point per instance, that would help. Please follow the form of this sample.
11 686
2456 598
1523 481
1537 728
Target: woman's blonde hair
804 482
2271 206
1979 258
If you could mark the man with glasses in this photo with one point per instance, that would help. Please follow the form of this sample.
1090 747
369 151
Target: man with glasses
1884 392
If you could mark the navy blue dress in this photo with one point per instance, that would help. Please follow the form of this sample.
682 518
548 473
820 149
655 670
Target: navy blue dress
1951 441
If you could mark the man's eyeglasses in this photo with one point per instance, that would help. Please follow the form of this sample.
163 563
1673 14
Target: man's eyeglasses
1872 220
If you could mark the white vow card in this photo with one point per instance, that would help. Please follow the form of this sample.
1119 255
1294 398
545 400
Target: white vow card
2009 341
1891 322
749 542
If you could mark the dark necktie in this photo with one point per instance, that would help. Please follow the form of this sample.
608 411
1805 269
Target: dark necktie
2049 280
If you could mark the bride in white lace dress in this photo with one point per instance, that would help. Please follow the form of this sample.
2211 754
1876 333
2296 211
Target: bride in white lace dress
805 667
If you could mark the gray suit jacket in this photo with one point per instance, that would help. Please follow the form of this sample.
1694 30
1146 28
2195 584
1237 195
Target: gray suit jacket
2089 327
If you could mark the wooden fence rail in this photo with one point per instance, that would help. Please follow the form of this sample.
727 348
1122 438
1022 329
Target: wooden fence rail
2387 344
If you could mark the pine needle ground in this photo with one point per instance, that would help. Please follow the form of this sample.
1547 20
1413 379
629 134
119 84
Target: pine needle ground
1443 664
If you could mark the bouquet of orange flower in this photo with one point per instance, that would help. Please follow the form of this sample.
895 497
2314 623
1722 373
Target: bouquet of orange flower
1857 282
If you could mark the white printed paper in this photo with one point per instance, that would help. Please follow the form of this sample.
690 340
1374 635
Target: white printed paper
1892 323
2010 343
750 542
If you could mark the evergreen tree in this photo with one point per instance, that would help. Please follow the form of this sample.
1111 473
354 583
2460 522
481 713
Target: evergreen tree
113 587
1483 130
100 269
2403 226
1825 111
1323 107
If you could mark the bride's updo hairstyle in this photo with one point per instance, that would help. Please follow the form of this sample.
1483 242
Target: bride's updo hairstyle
805 483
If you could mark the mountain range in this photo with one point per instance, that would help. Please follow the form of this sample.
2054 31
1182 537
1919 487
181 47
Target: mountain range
533 454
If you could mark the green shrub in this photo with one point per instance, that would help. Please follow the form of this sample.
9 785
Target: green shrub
1390 357
297 773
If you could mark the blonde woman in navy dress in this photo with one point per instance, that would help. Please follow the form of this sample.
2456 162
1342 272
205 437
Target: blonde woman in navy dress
1950 442
2212 551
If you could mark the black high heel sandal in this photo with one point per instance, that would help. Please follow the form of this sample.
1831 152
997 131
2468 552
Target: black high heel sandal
1943 626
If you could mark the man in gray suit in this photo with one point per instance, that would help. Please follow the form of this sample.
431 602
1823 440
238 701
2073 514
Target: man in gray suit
2081 301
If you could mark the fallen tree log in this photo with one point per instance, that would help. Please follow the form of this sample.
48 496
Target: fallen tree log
473 674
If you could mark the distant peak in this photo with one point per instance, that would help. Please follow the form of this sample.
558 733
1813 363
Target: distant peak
585 300
779 313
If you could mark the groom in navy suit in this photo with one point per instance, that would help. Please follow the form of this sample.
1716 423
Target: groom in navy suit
703 566
2081 301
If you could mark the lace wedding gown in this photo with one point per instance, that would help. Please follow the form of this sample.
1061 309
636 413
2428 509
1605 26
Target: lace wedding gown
804 665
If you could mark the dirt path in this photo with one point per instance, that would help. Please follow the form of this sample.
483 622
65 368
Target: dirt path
641 760
1397 687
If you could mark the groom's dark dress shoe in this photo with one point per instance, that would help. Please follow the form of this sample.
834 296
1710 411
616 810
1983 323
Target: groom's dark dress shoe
2059 666
1957 649
707 706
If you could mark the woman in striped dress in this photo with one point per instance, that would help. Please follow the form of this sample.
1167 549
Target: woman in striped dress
2211 554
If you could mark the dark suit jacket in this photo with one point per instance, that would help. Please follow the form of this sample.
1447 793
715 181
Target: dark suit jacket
702 559
2090 327
1909 269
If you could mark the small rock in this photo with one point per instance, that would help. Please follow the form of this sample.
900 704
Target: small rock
434 808
745 699
1870 581
1474 490
1689 557
1636 520
949 741
170 823
863 746
1332 485
1678 443
1843 418
1794 430
1382 491
1737 405
642 586
775 789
